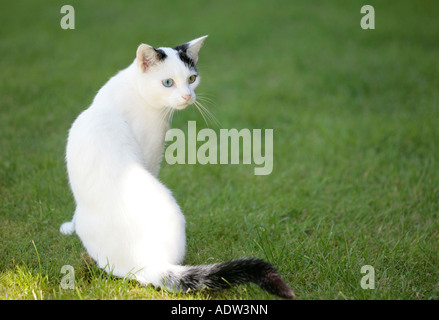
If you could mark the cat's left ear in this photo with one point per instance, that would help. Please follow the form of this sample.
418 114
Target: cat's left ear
193 47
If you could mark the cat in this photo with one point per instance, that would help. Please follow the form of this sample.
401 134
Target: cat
127 220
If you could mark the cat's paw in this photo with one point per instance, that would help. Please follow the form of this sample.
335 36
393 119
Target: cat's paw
67 228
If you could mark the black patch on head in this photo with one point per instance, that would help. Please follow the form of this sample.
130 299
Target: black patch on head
182 53
161 55
182 47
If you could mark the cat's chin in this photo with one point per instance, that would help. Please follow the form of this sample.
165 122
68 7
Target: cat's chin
181 106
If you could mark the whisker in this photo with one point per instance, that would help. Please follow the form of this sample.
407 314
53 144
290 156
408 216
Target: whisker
205 99
204 95
164 115
172 115
164 111
201 112
208 114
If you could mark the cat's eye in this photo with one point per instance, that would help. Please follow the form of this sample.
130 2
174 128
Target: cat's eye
168 83
192 78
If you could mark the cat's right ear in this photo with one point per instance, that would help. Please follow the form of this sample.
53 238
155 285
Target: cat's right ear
147 56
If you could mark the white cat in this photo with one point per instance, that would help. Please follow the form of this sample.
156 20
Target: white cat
127 220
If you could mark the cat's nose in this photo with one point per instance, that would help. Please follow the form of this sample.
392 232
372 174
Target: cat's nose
186 97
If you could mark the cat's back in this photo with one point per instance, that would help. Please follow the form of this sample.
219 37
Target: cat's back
100 138
103 120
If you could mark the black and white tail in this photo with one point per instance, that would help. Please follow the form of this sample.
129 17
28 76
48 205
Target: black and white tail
221 276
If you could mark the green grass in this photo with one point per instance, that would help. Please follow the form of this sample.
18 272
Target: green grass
354 113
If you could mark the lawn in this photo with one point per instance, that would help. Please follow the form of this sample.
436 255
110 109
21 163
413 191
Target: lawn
354 114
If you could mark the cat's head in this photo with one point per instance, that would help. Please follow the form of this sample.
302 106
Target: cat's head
167 77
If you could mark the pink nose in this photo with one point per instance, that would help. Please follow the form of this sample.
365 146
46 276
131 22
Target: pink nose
186 97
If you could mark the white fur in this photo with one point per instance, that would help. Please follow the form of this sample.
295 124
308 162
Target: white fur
127 220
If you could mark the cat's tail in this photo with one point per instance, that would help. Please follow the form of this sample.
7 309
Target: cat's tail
220 276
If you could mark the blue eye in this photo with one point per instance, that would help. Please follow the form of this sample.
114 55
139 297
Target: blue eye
168 83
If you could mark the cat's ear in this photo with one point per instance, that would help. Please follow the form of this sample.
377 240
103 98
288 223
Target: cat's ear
147 56
193 47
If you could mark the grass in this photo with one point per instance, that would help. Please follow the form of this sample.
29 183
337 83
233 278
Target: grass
354 112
